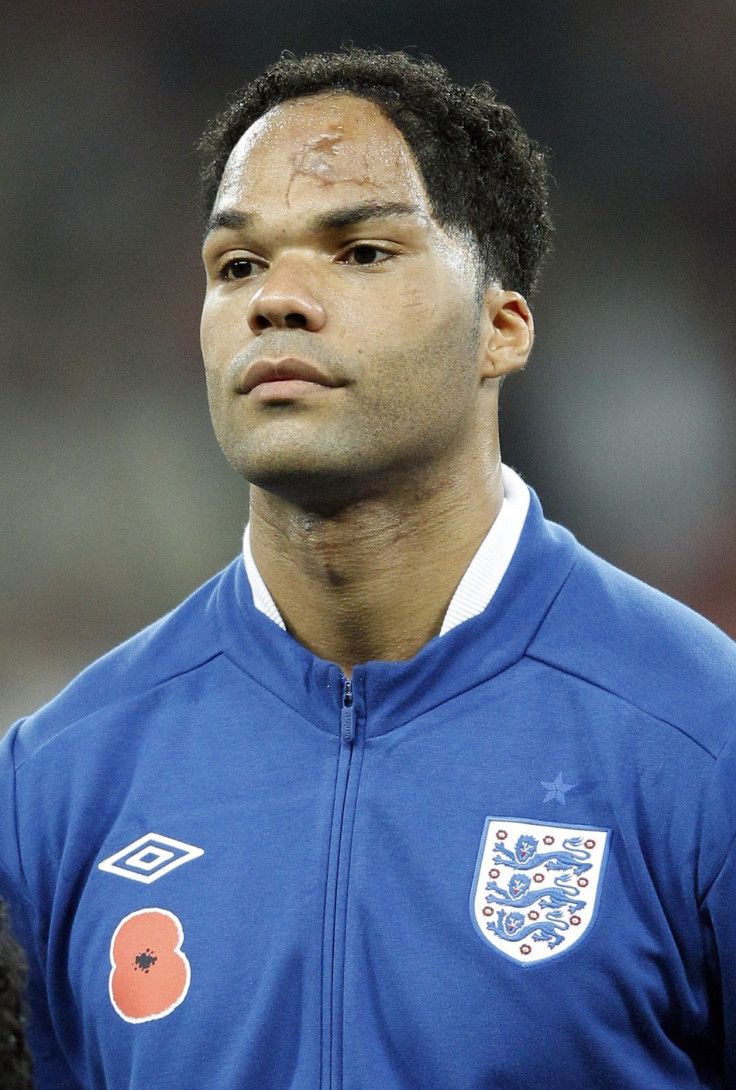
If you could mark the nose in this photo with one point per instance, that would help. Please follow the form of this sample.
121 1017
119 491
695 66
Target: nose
286 299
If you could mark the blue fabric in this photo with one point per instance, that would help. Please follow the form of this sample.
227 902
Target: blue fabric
328 924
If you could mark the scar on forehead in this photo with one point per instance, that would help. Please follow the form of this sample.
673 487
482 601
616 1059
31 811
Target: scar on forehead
316 159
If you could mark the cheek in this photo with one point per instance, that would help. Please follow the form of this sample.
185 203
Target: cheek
206 329
398 321
210 335
224 325
437 306
216 340
415 304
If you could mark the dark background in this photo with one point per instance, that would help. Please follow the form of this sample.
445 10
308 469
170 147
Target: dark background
115 501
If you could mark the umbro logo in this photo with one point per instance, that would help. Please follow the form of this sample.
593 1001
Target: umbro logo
150 858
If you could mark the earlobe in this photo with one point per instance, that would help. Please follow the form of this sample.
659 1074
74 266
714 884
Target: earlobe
508 333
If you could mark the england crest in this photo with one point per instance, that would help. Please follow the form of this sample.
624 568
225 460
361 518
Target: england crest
536 886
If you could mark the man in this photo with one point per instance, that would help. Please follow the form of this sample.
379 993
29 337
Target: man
417 793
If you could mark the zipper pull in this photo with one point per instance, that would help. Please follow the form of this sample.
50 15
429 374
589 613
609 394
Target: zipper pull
347 714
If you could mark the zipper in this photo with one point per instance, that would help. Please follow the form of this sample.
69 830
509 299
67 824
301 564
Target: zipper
349 763
347 713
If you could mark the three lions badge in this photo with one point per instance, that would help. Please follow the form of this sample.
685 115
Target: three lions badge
535 892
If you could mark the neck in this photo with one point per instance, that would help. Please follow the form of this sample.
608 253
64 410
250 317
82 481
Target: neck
372 580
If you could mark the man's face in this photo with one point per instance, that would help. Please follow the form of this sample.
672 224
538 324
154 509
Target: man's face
340 329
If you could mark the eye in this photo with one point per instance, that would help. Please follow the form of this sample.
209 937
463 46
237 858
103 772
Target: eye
240 268
366 254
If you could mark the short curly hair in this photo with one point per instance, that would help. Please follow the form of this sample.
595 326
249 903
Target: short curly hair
15 1059
483 174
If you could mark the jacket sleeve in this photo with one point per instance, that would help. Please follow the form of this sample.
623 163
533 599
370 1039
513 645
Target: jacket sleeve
51 1071
718 898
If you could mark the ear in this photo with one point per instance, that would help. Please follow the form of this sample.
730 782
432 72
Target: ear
507 333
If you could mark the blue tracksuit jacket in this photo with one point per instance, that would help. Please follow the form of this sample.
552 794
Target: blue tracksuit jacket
506 863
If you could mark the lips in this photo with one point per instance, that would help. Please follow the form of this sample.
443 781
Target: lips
286 369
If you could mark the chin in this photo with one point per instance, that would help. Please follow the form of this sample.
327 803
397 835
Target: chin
323 486
266 457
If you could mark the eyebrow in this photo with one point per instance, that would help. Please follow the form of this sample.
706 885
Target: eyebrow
229 220
358 213
232 219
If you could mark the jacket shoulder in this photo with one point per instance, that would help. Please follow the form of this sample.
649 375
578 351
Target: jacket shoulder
177 643
613 631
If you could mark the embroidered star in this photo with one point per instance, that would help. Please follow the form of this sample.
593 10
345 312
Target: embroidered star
556 789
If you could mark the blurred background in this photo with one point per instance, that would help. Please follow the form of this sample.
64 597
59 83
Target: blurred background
114 499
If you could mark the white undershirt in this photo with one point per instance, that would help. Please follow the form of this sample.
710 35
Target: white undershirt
482 576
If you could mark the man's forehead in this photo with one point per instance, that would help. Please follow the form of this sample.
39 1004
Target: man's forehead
353 114
325 140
